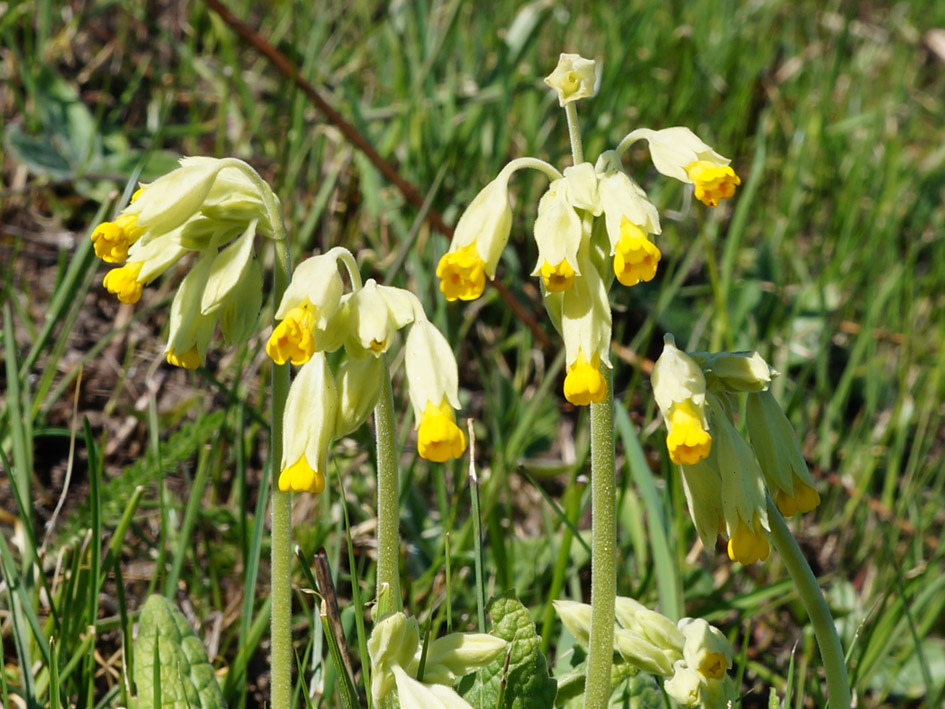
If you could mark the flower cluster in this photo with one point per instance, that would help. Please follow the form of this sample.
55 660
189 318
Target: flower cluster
573 240
317 317
724 477
396 652
213 208
691 655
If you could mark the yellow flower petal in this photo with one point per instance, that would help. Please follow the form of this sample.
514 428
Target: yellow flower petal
688 442
292 339
462 274
584 383
188 360
438 437
713 182
804 499
124 283
636 256
748 546
557 278
300 477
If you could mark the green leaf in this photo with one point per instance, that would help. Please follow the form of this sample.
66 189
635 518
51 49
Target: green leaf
527 682
185 674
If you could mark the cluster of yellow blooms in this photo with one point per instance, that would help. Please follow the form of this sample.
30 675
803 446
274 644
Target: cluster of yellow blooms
214 209
692 656
572 240
317 317
724 477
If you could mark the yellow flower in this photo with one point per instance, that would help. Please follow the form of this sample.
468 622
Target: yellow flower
292 339
712 182
112 239
308 427
300 477
679 153
574 78
804 499
636 256
188 360
688 442
557 278
124 283
462 274
584 383
439 438
748 544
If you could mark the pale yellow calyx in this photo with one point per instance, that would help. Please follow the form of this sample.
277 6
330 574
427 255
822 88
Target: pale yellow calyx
124 283
748 545
584 383
557 278
688 442
438 437
462 274
712 182
301 477
292 339
112 239
186 360
635 257
804 499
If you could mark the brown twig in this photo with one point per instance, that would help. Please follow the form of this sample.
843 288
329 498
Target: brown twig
407 189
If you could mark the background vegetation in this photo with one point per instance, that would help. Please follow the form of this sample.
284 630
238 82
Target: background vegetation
830 261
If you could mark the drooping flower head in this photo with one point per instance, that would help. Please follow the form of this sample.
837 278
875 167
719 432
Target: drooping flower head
570 240
213 209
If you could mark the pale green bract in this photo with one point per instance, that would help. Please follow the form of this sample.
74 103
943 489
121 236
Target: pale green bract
186 675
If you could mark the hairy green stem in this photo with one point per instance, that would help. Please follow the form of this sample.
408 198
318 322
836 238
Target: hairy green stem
603 549
577 149
388 503
831 651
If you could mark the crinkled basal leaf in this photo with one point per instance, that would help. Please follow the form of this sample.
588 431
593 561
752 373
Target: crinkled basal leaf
187 679
527 683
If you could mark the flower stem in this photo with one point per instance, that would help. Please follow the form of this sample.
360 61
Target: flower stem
388 503
831 651
577 149
603 549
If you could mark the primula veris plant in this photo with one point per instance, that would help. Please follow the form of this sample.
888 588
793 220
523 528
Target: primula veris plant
594 225
211 209
588 208
725 478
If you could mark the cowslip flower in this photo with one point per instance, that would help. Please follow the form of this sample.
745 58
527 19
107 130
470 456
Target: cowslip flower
679 153
785 471
308 427
574 78
396 651
692 656
213 208
573 278
311 299
679 390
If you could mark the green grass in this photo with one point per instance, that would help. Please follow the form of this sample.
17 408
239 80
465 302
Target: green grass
830 261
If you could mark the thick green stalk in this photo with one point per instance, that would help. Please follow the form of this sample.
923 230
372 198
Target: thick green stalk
388 502
831 651
603 549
